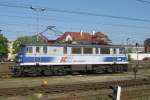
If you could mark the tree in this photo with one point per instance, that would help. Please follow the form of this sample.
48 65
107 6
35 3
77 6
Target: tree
147 45
147 42
3 47
24 40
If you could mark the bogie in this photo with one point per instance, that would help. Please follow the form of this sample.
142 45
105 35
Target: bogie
63 70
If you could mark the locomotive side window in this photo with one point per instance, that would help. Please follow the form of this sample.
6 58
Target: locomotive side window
97 50
114 51
45 49
76 50
29 50
55 50
88 50
65 50
37 49
105 50
121 51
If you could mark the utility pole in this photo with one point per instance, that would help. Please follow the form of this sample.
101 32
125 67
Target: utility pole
127 40
37 10
137 65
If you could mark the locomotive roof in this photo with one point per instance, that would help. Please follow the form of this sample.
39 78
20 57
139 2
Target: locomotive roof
75 45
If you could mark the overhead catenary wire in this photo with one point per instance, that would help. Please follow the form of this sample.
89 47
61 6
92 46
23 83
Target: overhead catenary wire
79 28
45 18
103 24
57 31
119 25
110 24
80 13
144 1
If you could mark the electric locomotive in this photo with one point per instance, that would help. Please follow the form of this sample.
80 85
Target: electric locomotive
60 59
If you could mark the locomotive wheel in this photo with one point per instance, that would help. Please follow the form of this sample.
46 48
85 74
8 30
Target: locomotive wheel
17 73
42 72
59 70
46 73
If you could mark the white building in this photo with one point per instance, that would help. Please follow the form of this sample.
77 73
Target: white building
11 56
134 49
139 56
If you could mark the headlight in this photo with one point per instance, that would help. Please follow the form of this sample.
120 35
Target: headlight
18 60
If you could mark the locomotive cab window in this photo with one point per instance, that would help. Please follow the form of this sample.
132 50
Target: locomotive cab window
76 50
88 50
105 50
29 50
45 49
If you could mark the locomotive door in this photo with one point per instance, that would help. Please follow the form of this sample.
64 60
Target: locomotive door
117 55
114 55
37 55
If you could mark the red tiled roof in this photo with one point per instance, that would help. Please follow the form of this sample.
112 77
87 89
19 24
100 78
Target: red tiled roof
51 41
76 36
102 37
98 37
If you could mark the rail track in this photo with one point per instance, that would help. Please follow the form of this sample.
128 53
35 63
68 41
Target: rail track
54 89
5 75
134 94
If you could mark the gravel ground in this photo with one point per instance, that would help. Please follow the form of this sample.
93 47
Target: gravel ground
127 94
69 79
5 67
10 82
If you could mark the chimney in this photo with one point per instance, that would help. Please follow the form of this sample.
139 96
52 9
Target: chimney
81 33
93 33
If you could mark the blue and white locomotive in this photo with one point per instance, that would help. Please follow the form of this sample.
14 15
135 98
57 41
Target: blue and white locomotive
60 59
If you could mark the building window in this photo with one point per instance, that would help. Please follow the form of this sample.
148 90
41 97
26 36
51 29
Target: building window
105 50
37 49
88 50
29 50
45 49
76 50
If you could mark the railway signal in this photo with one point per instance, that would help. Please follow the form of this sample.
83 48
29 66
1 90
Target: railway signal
116 92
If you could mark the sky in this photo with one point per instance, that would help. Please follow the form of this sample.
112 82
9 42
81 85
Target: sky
16 21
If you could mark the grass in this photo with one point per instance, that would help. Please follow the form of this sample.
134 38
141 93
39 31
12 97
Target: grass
30 97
